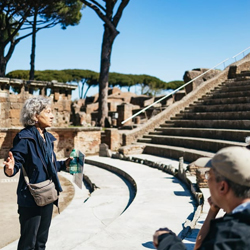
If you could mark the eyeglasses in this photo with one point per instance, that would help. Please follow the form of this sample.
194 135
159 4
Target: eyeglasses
207 175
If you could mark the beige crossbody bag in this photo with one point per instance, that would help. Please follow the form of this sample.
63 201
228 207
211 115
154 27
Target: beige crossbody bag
44 192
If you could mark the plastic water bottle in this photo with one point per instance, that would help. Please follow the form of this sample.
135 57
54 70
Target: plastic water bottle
73 162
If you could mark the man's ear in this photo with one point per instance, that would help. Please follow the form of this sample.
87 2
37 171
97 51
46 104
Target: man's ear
223 187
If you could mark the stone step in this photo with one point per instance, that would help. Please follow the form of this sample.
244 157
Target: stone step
234 82
244 74
242 77
218 108
173 152
228 124
245 115
133 229
211 145
219 94
212 133
144 140
232 88
209 101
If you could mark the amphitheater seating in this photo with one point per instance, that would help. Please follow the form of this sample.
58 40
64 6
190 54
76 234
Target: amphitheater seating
220 118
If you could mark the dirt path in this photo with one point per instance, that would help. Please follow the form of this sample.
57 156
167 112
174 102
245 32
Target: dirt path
9 224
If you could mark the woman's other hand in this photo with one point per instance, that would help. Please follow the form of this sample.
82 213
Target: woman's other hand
67 162
9 164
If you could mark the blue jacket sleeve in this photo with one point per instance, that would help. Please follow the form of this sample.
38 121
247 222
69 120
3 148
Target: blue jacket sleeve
61 166
19 150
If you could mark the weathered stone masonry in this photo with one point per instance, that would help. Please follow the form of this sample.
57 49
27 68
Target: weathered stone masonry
11 103
85 139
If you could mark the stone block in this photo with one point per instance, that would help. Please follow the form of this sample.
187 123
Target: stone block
56 96
124 112
88 141
91 107
137 120
14 98
14 113
179 95
114 122
114 90
112 139
126 96
131 149
191 74
148 102
104 150
17 106
141 100
113 103
85 118
14 122
200 177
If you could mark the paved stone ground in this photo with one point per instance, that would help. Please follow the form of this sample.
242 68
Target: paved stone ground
9 223
98 221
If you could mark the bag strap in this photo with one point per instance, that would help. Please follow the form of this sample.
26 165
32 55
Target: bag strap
26 178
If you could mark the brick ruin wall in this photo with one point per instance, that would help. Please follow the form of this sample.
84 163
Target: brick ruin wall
11 103
85 139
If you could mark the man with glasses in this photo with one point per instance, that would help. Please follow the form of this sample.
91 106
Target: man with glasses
229 186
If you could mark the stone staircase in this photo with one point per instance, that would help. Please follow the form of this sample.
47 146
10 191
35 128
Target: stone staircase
219 119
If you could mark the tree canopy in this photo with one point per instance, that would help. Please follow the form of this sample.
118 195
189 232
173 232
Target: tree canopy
17 21
150 85
82 77
47 15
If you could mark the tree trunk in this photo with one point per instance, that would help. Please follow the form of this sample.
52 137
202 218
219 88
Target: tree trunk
4 59
2 62
33 48
81 87
86 91
107 43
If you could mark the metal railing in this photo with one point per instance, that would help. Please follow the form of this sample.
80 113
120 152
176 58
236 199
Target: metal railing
242 52
184 85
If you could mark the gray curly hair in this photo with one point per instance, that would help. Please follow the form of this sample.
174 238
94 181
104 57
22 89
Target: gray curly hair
33 106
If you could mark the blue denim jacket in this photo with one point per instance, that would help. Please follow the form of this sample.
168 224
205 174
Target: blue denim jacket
27 153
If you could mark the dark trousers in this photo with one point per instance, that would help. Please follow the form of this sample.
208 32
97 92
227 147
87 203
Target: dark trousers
34 223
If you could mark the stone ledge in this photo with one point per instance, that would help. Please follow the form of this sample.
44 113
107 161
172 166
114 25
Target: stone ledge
198 196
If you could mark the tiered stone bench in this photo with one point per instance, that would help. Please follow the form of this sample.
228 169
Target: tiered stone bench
219 119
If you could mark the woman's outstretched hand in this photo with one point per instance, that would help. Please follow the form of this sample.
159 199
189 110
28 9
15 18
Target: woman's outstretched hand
9 164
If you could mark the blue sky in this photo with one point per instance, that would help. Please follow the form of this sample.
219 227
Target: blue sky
162 38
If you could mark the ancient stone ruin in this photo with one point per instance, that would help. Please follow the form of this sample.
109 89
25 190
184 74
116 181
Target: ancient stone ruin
11 102
83 114
85 139
122 105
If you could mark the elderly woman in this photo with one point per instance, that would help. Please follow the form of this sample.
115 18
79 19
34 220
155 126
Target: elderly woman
33 149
